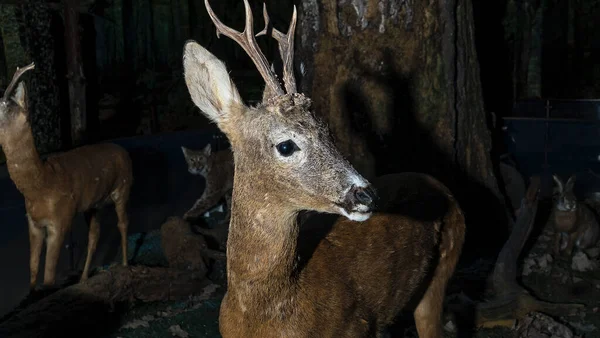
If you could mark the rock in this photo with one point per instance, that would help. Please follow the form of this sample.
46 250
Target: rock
528 265
536 263
538 325
544 261
182 248
177 331
134 324
581 262
583 327
450 326
145 249
218 272
593 252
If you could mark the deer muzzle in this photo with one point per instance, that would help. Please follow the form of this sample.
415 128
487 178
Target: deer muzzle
359 203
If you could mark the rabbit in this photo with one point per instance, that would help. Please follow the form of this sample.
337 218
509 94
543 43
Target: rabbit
575 223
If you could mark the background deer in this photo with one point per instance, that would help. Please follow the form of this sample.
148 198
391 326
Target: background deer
351 281
83 179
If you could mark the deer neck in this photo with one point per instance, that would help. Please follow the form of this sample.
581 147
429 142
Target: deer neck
261 249
23 162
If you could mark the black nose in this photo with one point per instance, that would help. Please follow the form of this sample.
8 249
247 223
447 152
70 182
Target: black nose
365 196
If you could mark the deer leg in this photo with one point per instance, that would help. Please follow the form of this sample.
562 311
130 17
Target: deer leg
121 208
36 241
56 236
93 235
428 313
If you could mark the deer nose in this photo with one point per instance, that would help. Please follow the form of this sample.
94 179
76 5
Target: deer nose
365 196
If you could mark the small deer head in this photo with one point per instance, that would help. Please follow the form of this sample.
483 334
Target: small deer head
13 108
566 200
197 160
282 152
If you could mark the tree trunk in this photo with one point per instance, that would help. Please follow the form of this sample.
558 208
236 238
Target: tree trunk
174 31
398 82
129 38
44 102
3 69
75 77
534 67
151 36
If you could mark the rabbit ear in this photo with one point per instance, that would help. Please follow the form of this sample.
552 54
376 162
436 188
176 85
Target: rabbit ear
570 183
559 183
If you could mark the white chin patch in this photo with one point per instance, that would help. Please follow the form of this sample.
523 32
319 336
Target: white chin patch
356 216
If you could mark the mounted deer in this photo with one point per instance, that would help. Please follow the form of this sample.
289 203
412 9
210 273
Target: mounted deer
368 267
80 180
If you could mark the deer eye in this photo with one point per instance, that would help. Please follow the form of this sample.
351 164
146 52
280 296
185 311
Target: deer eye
287 148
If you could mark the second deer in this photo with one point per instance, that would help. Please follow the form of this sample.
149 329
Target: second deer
351 281
81 180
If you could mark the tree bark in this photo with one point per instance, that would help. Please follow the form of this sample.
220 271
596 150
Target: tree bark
398 82
129 38
75 76
35 19
3 68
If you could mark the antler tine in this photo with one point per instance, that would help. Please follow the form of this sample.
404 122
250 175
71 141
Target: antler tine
286 48
247 41
15 79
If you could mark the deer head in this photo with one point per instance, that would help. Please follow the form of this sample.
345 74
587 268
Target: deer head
282 152
13 108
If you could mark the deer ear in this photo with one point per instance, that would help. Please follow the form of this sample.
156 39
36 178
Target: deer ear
209 84
20 96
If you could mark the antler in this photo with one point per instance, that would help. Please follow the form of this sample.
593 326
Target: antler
15 79
286 48
247 41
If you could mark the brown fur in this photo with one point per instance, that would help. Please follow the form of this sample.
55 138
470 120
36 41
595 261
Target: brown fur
217 170
80 180
359 276
363 273
181 246
575 224
350 281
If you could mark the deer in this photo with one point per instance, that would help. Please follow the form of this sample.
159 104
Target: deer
384 252
84 179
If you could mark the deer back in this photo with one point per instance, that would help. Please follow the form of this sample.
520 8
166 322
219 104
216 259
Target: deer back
90 174
417 222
